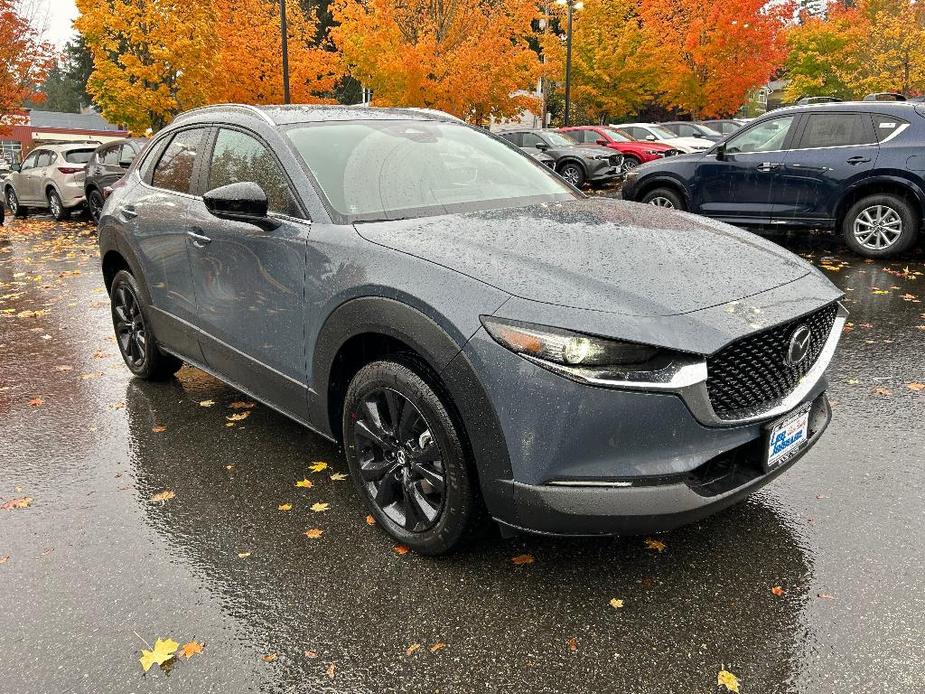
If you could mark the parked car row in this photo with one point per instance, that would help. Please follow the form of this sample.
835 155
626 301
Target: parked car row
62 178
855 167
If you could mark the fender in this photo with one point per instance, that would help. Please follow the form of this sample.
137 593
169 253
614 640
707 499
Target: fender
881 178
442 353
568 159
653 181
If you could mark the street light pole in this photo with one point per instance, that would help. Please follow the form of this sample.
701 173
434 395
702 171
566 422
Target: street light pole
572 5
285 36
568 66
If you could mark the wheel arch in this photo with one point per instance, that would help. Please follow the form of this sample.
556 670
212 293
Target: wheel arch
651 184
365 329
889 185
568 159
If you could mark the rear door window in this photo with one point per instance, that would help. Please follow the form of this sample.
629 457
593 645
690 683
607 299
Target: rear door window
532 140
44 159
110 157
174 169
836 130
513 138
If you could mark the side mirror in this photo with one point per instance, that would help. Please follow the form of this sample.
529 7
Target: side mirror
240 202
721 151
542 146
603 142
650 138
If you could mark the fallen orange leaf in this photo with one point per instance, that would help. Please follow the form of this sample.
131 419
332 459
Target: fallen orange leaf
270 657
726 679
36 402
284 507
238 416
400 549
412 649
616 603
159 429
314 533
330 671
304 483
572 643
657 545
439 646
21 502
777 590
915 387
241 405
163 496
370 520
190 649
521 559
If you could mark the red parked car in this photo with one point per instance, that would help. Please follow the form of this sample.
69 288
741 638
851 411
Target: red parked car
634 153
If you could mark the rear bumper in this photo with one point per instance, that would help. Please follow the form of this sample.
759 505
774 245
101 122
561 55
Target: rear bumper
659 504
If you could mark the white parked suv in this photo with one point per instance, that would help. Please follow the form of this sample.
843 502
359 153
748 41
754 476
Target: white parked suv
650 132
51 177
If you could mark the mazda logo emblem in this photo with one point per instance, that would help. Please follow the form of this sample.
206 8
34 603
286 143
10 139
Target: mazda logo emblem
798 348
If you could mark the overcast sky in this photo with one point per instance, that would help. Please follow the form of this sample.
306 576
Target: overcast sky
60 14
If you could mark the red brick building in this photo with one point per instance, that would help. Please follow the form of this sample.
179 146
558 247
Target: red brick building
49 127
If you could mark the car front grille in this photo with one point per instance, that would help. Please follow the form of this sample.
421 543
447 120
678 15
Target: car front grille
751 374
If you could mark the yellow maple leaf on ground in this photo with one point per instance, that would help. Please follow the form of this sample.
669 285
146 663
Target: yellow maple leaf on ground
658 545
412 649
728 680
162 652
338 477
190 649
284 507
616 603
163 496
318 507
314 533
206 403
318 466
238 416
304 483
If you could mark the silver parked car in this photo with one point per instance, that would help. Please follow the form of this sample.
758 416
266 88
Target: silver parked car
50 178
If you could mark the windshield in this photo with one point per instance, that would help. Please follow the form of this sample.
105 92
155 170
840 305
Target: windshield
78 156
380 170
615 136
559 139
707 130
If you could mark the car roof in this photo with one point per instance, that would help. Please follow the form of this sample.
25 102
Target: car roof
291 114
67 146
896 107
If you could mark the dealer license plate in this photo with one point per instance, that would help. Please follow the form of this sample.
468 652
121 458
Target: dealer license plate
787 437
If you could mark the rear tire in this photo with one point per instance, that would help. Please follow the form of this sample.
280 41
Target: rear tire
12 201
134 336
664 197
95 204
56 207
409 461
881 226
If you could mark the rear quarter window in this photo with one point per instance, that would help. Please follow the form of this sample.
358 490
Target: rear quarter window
886 127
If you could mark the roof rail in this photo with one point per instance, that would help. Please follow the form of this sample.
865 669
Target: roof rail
242 107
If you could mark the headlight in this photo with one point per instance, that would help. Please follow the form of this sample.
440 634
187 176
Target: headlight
565 347
655 152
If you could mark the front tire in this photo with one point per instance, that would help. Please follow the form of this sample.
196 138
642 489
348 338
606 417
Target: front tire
12 201
136 341
408 459
56 207
573 172
664 197
630 162
881 226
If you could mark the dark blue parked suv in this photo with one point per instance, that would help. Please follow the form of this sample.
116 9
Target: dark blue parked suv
857 168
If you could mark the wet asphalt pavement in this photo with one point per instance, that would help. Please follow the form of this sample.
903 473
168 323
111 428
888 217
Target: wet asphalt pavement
93 569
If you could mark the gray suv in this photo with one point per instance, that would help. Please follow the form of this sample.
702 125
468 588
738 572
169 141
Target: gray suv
487 342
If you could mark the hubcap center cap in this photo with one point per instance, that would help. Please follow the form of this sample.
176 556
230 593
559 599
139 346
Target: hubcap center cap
400 458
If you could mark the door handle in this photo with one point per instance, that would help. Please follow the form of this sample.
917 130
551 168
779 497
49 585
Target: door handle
858 160
199 240
128 211
766 166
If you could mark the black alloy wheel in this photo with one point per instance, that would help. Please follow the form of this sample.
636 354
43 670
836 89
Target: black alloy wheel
408 457
133 334
95 204
400 463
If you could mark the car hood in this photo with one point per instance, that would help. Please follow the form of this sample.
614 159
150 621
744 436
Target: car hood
695 143
582 150
598 254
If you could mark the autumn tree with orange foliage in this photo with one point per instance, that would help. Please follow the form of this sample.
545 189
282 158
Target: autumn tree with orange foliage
24 61
711 54
466 57
151 58
248 63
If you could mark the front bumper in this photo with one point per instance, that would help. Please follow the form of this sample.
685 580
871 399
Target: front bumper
654 505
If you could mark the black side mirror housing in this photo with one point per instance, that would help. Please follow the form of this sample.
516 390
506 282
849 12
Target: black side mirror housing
542 146
241 202
602 142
